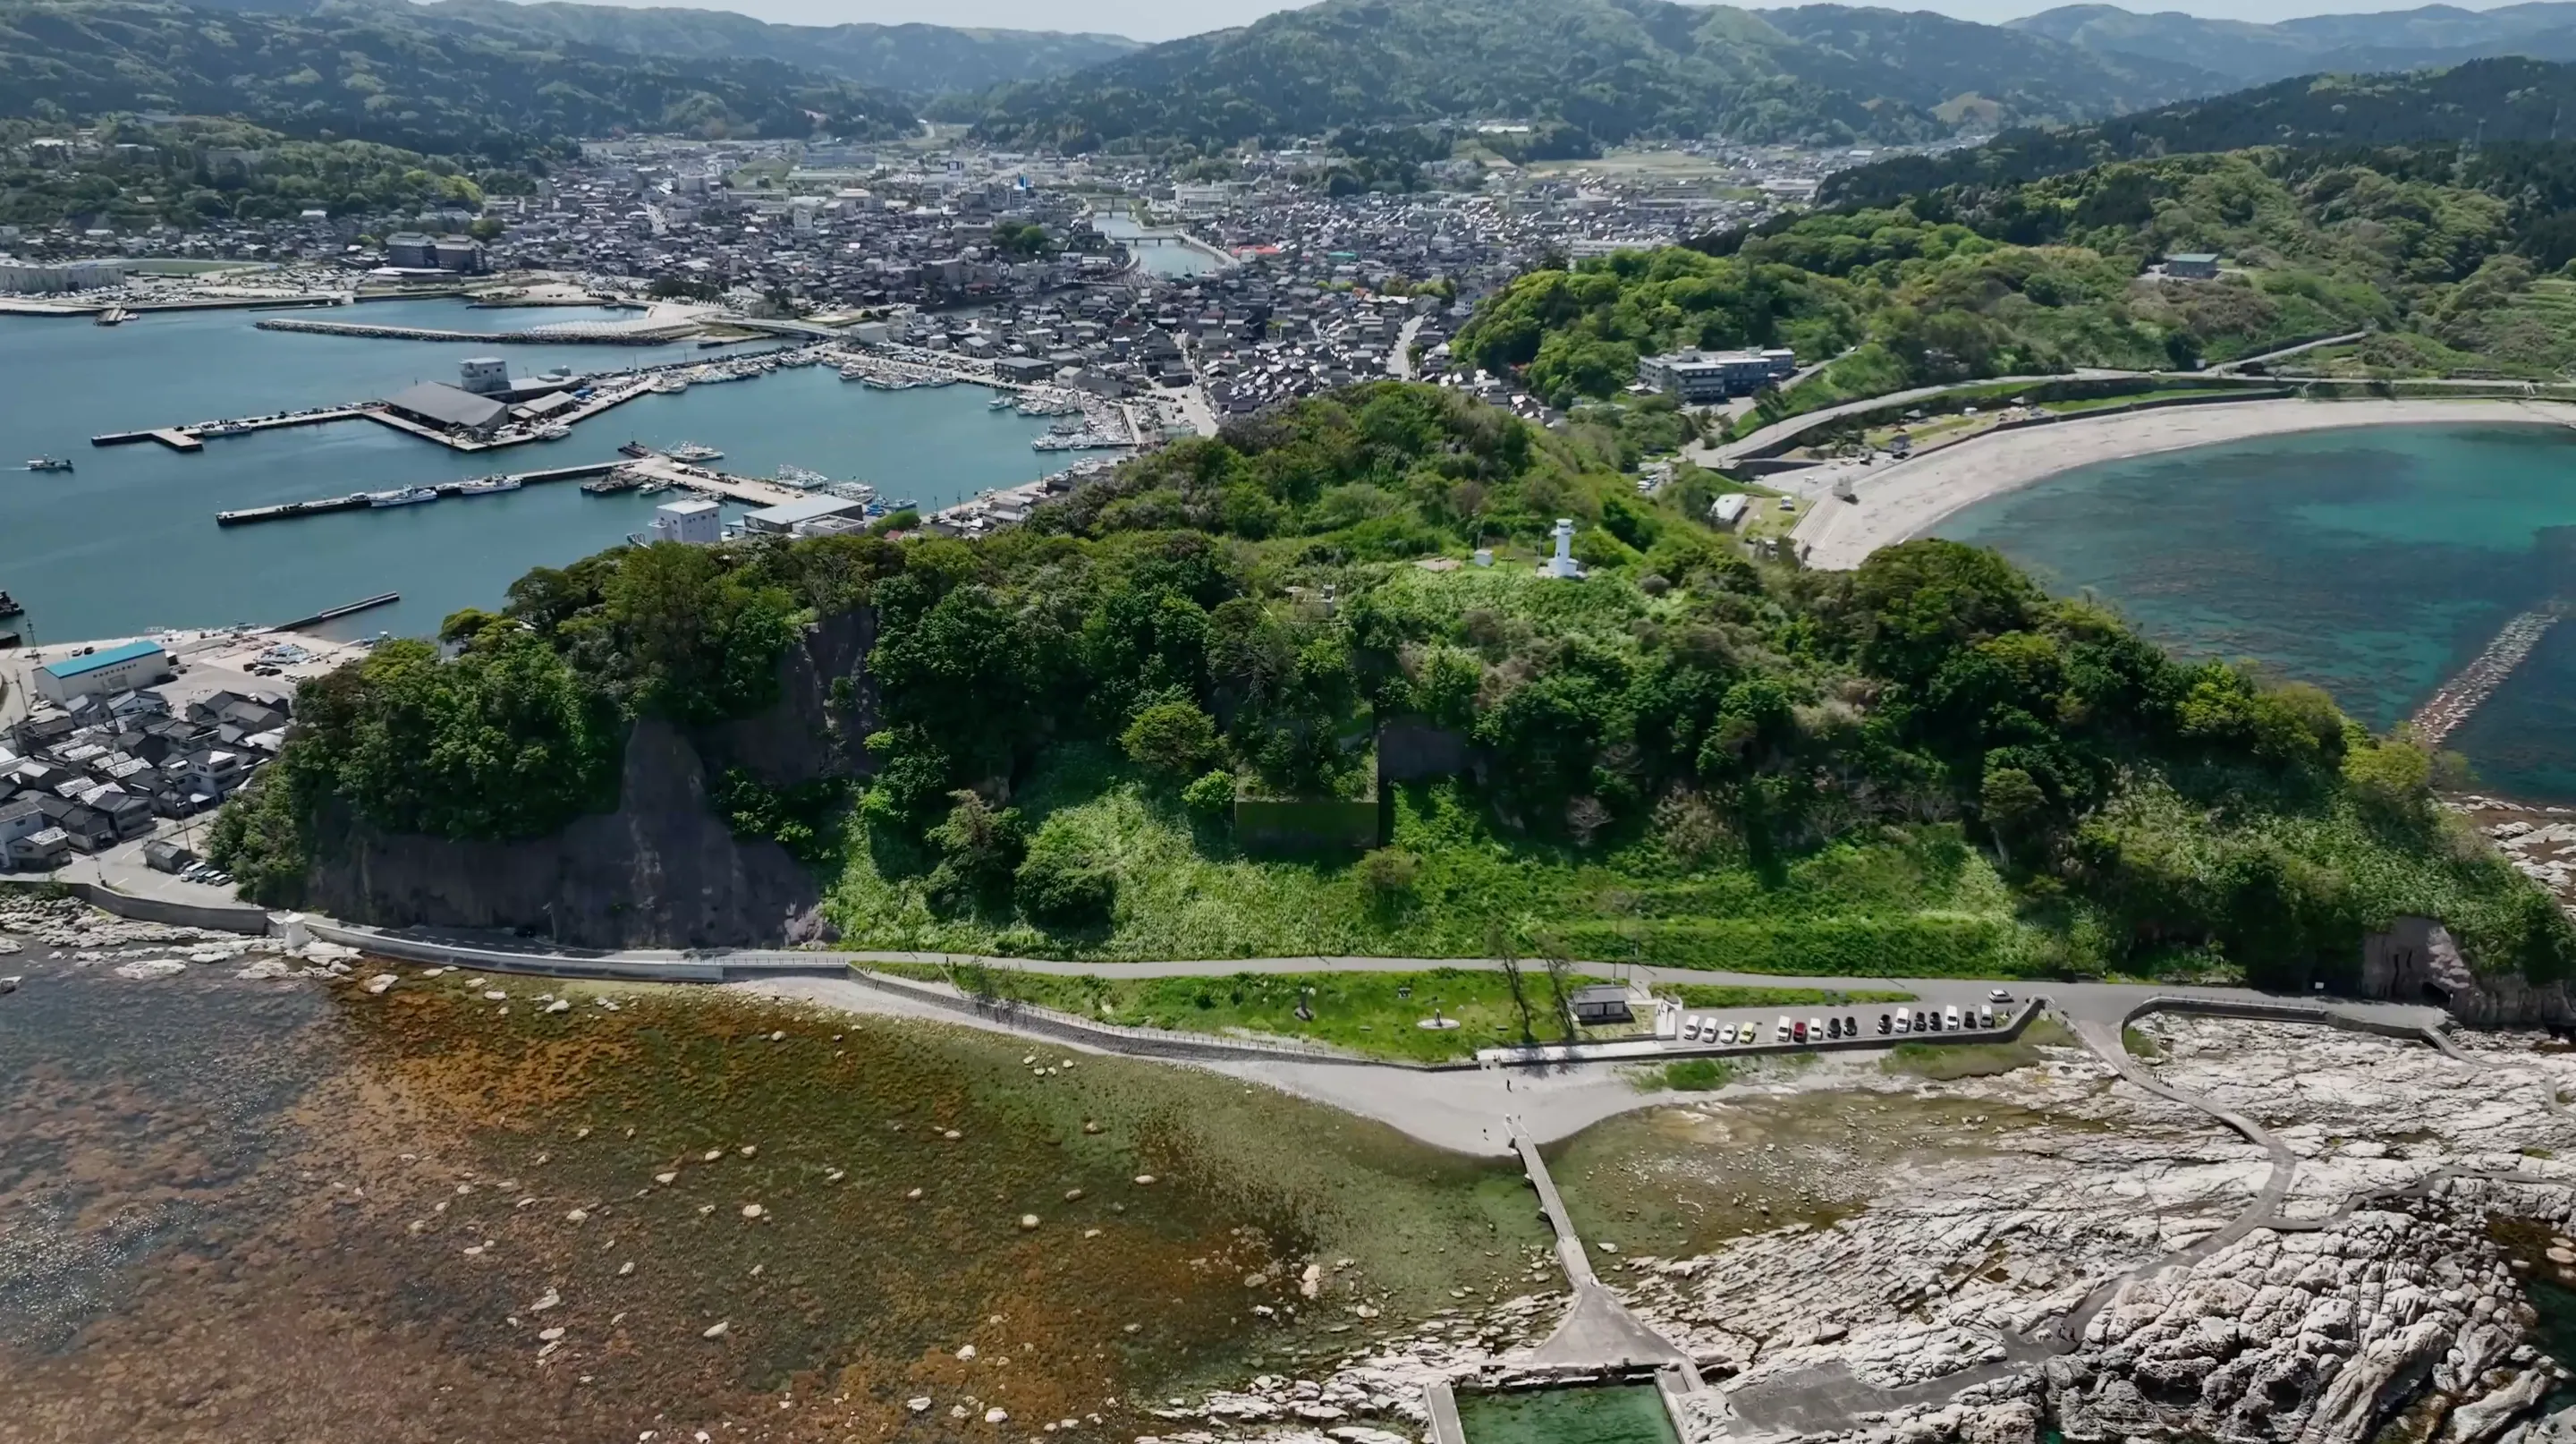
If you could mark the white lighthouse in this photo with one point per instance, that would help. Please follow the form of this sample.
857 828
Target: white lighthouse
1563 563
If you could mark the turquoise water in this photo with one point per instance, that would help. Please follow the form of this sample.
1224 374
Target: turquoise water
129 542
1601 1414
2374 561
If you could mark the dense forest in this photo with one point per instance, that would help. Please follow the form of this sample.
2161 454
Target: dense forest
2484 103
192 172
2450 258
1610 69
376 74
1926 765
2252 53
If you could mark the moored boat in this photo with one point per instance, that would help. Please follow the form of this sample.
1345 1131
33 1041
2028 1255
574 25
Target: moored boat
403 496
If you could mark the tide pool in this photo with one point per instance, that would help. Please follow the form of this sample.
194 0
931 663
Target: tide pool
2374 562
128 541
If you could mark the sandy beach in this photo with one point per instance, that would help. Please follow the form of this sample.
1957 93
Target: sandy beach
1909 498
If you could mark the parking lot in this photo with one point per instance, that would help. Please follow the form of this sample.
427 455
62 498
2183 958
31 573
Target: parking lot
1818 1023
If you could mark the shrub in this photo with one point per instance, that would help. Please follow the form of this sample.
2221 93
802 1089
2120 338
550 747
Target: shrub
1172 738
1389 870
1211 796
1061 885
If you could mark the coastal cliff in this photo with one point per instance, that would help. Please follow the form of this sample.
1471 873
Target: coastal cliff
663 869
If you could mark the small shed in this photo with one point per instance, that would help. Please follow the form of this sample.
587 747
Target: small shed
1601 1003
2192 266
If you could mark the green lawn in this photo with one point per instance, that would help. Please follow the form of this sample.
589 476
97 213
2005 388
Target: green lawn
1372 1013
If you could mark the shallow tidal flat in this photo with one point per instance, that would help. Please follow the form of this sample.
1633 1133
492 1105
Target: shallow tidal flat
232 1209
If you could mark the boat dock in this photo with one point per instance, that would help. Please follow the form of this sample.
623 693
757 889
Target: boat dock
360 501
2456 700
606 333
192 437
746 489
333 614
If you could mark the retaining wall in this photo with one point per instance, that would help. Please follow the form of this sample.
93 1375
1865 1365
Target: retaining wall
220 917
1144 1042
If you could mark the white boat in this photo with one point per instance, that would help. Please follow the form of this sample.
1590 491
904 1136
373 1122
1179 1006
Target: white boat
670 386
694 451
486 485
853 373
799 477
556 432
224 428
405 496
48 463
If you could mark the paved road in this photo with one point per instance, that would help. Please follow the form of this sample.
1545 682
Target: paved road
1780 434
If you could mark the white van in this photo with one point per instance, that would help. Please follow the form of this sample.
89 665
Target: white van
1985 1015
1905 1020
1781 1033
1949 1017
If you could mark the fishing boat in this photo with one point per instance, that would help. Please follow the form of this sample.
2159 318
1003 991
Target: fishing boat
694 451
799 477
611 484
9 606
486 485
115 316
403 496
48 463
556 432
225 428
670 386
635 449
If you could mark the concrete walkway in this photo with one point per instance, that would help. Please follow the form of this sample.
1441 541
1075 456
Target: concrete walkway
1598 1334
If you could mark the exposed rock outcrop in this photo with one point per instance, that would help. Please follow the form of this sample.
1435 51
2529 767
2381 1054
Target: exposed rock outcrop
663 870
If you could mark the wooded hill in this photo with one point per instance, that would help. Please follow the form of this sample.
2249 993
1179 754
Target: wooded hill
2452 258
1925 766
1610 69
380 75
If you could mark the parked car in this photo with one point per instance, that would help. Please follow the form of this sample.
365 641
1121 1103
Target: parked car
1798 1031
1883 1023
1986 1016
1851 1026
1815 1030
1782 1032
1690 1028
1950 1017
1727 1033
1905 1020
1999 995
1833 1027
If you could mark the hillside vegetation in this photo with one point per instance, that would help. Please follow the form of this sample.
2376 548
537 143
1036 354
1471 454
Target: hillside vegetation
2450 259
1925 766
914 59
2487 104
1609 69
2349 44
175 182
378 74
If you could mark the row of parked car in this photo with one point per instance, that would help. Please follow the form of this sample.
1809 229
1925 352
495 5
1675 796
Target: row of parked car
1696 1029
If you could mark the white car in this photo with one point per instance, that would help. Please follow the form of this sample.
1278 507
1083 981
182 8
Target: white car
1780 1034
1689 1029
1905 1020
1986 1015
1815 1030
1949 1017
1998 995
1726 1032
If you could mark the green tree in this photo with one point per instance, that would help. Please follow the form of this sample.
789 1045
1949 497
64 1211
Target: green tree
1171 738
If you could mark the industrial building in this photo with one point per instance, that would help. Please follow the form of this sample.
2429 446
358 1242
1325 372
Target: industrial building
414 251
26 276
104 672
449 408
696 521
1698 377
794 518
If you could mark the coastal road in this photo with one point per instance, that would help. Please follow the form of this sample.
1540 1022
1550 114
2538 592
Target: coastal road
1779 435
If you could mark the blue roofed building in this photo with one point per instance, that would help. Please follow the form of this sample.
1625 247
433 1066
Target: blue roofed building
104 671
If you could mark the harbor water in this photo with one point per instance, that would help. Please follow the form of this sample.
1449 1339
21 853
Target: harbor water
2375 562
127 541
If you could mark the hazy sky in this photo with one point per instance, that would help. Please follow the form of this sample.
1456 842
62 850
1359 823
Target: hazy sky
1164 19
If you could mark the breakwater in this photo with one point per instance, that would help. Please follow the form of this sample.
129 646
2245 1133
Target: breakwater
603 333
362 501
2458 698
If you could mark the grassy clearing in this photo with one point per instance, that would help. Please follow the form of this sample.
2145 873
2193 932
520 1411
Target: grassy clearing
1716 995
1902 902
1372 1013
1942 1062
1695 1075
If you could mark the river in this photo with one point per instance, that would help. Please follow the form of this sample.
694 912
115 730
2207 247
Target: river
128 541
2374 561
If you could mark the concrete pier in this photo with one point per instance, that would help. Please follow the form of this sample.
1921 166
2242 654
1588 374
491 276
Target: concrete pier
1598 1334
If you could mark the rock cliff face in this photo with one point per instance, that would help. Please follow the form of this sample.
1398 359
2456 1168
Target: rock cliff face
662 870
